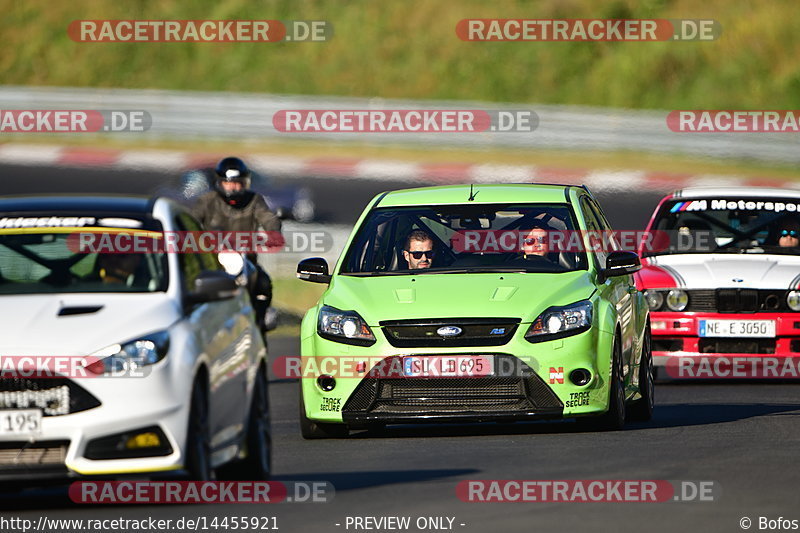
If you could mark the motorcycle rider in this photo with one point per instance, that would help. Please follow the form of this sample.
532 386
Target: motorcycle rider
232 206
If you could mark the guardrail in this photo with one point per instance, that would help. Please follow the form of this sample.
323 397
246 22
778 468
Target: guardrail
188 115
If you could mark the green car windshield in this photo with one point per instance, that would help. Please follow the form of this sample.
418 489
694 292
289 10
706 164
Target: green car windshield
463 238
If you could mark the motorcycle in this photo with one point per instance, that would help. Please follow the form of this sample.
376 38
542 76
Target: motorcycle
248 274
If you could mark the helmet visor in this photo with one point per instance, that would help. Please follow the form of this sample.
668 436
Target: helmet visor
231 186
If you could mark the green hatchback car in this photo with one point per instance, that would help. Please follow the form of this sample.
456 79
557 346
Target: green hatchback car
462 303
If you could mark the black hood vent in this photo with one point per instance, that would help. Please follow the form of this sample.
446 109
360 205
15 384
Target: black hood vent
79 310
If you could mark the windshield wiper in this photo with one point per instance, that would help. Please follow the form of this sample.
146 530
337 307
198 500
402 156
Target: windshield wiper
738 250
464 270
375 273
476 270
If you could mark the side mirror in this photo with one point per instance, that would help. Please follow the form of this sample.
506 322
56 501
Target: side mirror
621 263
314 269
211 286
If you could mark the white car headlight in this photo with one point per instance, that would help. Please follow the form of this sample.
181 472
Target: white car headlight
793 300
559 322
344 326
123 359
655 299
677 300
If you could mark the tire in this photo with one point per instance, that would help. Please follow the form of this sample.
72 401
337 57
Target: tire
642 409
614 418
198 437
318 430
258 463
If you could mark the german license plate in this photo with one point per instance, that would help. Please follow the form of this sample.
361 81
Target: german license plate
22 422
737 328
448 366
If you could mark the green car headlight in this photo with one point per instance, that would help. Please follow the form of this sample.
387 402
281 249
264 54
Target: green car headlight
559 322
344 326
793 300
126 357
677 300
655 299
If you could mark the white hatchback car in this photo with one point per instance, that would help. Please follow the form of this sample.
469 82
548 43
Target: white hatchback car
179 379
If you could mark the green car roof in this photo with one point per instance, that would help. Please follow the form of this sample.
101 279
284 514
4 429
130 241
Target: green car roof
493 193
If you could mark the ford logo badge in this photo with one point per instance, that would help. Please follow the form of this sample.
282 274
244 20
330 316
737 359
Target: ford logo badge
449 331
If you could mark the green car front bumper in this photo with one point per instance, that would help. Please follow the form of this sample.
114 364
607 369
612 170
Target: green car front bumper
531 381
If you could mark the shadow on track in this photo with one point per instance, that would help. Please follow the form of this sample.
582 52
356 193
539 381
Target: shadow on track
56 497
681 415
361 480
665 416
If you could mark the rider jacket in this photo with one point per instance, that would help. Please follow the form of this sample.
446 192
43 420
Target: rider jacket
244 214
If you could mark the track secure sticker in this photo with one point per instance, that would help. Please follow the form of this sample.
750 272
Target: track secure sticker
331 404
577 399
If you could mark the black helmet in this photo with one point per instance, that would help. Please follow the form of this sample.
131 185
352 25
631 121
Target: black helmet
232 169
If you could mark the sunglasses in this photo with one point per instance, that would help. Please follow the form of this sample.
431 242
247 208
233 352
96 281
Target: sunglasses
418 255
788 233
534 240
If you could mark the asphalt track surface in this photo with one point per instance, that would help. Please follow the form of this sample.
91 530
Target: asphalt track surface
743 436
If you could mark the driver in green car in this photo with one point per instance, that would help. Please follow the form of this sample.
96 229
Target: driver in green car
418 251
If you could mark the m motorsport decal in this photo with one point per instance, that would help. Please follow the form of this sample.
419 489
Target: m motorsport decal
724 204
